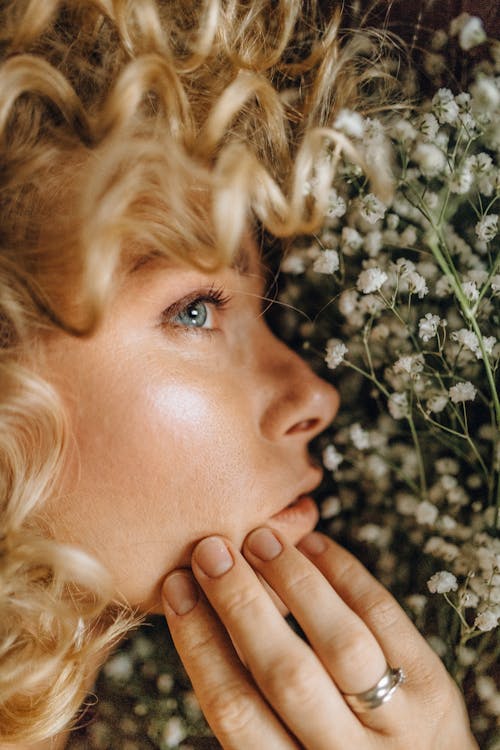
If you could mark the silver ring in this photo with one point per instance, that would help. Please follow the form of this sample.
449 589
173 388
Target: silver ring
379 693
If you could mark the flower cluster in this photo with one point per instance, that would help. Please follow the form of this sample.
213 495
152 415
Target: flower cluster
407 295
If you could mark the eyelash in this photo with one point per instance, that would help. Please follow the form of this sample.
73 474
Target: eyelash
215 296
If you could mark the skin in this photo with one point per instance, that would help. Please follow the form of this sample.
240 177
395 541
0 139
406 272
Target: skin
179 431
187 440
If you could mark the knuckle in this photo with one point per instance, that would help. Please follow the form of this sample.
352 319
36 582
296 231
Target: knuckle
301 582
240 600
352 645
381 613
292 682
231 709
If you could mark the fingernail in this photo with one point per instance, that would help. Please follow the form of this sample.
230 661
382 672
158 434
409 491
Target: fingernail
313 544
264 544
213 557
180 592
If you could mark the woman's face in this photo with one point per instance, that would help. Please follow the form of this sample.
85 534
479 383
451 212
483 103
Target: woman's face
188 418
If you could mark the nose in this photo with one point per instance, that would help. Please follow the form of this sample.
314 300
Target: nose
298 403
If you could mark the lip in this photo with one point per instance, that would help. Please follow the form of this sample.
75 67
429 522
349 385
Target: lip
301 515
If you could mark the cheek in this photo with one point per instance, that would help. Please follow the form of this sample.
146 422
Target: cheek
164 462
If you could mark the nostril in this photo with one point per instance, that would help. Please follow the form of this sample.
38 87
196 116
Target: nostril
304 426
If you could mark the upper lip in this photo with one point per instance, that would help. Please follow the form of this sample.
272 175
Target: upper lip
310 483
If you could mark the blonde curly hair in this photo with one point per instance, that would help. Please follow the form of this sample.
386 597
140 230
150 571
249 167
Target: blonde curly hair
128 128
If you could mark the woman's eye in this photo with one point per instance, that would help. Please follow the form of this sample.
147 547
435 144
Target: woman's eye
194 315
197 311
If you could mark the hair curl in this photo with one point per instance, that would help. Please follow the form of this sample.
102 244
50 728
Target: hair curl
127 127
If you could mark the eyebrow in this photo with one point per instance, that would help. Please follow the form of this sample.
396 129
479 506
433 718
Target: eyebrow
241 261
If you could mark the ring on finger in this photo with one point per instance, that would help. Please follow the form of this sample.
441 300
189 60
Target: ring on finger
379 693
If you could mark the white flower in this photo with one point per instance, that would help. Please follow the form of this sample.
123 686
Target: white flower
445 107
351 240
397 404
404 131
348 302
426 513
336 205
335 353
429 126
470 290
442 582
495 283
469 29
461 181
429 158
359 437
119 667
371 280
371 208
428 326
351 123
373 243
487 620
462 392
173 732
416 284
485 95
293 263
332 458
409 364
437 403
487 227
327 262
468 339
330 507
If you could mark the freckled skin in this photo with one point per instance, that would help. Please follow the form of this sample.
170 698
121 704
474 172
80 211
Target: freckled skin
178 433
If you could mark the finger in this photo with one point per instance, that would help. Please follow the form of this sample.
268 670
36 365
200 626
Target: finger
345 645
284 667
394 631
237 713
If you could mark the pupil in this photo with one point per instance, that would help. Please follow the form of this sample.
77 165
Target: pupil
197 314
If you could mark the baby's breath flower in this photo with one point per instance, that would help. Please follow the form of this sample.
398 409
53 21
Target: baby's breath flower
462 392
442 582
293 263
470 290
429 126
409 364
445 107
495 283
426 513
336 205
332 458
330 507
429 158
486 620
371 208
335 353
371 280
487 228
373 243
397 404
359 437
416 284
349 122
328 262
437 403
351 240
428 326
348 302
485 95
469 29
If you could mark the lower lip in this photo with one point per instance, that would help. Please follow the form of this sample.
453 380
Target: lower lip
297 519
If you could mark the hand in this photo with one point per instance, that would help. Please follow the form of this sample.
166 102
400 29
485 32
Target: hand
291 694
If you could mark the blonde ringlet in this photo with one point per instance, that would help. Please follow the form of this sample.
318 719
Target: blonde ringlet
128 128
